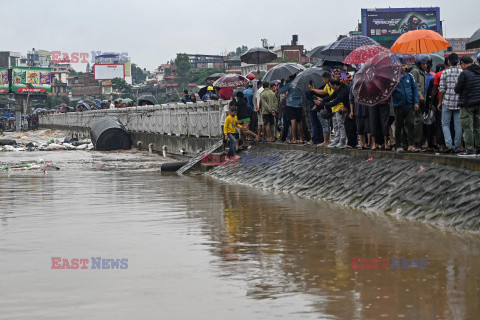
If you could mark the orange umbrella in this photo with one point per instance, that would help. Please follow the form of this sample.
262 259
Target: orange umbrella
419 41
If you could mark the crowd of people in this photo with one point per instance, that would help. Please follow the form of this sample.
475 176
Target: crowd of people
432 109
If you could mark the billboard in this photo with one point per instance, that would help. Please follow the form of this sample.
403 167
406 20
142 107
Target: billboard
33 80
109 71
4 83
386 25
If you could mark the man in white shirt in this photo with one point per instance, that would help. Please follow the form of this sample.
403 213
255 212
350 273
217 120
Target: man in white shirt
256 104
110 105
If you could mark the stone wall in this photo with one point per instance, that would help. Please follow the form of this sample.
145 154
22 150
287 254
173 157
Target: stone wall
433 193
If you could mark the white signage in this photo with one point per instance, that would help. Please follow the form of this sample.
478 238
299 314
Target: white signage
108 71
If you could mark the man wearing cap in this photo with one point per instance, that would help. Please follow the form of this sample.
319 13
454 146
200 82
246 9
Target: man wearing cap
468 87
448 103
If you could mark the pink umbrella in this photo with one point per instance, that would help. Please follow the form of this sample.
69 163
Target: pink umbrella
362 54
230 80
377 79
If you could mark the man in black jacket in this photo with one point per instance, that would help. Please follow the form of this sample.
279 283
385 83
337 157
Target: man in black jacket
468 87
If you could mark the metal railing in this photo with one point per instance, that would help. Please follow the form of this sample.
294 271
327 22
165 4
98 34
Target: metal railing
201 119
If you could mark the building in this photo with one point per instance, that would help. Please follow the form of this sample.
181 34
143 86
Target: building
457 44
233 64
39 58
205 61
116 58
85 85
9 59
60 75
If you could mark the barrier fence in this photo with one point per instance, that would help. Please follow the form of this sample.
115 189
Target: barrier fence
201 119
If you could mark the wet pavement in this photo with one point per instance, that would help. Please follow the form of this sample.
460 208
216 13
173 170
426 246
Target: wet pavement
198 248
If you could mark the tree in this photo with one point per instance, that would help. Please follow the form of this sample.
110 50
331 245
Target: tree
183 70
138 76
121 86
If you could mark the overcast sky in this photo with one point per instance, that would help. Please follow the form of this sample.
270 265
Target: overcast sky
153 32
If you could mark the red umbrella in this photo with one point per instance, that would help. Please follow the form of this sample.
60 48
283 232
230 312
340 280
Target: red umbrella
377 79
230 80
250 76
362 54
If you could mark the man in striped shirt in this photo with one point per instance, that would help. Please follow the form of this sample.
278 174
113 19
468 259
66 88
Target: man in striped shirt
448 103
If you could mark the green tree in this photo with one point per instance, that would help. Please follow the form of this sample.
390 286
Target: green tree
137 74
183 70
121 86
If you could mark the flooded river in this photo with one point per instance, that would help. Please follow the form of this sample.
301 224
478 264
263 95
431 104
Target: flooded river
196 248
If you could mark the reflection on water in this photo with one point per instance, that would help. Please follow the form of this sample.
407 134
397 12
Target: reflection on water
200 249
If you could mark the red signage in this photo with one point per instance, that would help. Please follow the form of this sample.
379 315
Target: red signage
31 90
3 90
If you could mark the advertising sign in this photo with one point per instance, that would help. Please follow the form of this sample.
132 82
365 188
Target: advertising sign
33 80
4 83
109 71
386 25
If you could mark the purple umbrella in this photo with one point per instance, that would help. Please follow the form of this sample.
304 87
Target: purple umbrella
230 80
377 79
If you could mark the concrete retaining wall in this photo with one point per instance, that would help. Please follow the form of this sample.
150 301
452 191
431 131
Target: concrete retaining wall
433 193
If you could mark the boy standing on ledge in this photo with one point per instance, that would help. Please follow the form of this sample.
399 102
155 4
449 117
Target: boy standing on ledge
229 129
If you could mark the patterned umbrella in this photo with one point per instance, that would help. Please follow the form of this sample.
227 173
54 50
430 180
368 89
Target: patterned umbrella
362 54
377 79
346 45
230 80
283 71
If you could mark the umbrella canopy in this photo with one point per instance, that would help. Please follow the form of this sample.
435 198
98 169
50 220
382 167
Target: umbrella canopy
437 58
250 76
258 56
346 45
419 41
63 104
214 76
83 104
230 80
283 71
309 76
362 54
40 110
148 99
316 53
377 79
6 115
474 41
476 55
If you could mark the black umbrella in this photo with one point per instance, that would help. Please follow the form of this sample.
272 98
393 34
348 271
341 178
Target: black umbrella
258 56
309 76
316 53
346 45
474 41
214 76
148 98
283 71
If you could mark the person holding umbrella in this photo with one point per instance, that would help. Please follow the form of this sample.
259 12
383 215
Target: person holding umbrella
294 110
419 73
405 101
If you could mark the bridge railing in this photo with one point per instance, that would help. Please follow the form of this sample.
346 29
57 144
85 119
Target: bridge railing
201 119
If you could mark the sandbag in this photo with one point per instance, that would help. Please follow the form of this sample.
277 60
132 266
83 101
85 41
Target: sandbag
6 142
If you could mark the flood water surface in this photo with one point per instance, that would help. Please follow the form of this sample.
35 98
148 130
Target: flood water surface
196 248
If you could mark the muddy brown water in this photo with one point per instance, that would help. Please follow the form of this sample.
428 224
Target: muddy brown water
201 249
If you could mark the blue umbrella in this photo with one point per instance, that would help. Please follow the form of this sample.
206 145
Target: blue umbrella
346 45
6 115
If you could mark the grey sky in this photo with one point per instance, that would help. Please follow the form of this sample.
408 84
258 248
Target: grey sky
152 32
